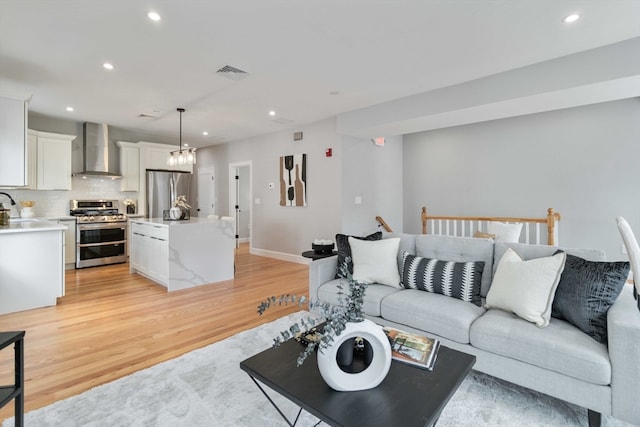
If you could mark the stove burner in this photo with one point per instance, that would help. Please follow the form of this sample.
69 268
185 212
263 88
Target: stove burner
96 211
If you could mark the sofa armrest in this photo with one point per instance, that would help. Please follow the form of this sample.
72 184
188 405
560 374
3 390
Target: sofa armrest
623 327
321 271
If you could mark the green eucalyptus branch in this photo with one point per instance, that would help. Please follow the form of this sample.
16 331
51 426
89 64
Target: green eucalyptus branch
336 317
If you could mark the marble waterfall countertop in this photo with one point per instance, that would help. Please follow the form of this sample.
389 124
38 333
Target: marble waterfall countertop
23 225
193 220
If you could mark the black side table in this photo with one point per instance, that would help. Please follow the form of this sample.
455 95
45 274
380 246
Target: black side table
15 391
314 255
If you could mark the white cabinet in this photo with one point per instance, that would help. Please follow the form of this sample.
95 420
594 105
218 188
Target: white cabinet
13 142
54 163
33 260
69 242
129 166
156 156
150 251
49 160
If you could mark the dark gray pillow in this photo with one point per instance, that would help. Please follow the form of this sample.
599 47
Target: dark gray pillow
344 250
459 280
586 291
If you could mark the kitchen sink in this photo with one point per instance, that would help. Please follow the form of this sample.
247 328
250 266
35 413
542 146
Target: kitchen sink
18 220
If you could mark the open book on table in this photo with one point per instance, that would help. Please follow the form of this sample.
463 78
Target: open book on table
411 348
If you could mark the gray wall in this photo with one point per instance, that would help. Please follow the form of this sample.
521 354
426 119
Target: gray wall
374 174
583 162
277 229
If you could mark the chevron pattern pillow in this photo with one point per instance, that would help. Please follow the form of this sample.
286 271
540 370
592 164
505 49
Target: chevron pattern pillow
459 280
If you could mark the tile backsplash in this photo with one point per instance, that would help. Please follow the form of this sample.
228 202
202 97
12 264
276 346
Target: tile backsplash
56 203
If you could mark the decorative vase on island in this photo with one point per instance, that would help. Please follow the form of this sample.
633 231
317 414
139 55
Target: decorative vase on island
175 213
376 370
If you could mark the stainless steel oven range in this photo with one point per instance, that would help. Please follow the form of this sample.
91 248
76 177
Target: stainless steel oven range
101 232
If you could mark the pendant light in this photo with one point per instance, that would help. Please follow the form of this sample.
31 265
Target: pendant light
180 156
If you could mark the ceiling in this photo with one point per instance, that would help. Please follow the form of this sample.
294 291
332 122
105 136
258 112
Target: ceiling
306 60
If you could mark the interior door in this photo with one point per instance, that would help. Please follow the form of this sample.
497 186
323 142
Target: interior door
206 192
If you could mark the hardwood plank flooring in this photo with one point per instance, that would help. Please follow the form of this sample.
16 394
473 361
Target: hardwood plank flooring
111 323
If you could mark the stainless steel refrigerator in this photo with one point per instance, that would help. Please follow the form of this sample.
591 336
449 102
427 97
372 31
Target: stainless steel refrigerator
163 187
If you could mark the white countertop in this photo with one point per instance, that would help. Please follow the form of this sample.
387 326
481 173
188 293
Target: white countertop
21 225
160 221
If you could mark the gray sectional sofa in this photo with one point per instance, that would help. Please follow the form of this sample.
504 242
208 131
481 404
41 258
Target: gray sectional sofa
559 360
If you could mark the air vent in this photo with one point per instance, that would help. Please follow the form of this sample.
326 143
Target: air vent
146 116
282 121
232 73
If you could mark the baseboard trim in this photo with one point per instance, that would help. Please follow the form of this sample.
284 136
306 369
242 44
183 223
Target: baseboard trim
298 259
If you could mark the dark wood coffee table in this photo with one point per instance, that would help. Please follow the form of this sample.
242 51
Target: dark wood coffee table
408 396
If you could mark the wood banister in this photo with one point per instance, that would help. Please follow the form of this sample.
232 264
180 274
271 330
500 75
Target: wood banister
550 220
384 224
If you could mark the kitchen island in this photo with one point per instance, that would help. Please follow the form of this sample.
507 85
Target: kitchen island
31 264
182 254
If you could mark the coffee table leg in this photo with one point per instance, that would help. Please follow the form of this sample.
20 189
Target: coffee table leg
276 406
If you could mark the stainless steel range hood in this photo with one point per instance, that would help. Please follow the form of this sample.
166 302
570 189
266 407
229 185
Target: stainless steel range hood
95 147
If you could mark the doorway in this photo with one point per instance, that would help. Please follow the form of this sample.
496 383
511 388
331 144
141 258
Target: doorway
240 191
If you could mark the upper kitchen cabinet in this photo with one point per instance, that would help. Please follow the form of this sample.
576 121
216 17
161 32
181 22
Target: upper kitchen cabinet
52 160
13 142
156 155
129 166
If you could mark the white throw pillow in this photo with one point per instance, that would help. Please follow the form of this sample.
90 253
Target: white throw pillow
505 232
526 288
375 261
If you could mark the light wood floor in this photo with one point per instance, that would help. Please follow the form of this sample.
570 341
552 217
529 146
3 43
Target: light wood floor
111 323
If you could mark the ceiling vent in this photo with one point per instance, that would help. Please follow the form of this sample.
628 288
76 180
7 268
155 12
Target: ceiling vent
146 116
231 73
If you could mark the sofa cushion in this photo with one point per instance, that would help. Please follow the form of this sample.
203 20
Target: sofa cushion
433 313
526 288
375 261
374 294
407 244
459 249
344 250
560 347
586 291
454 279
527 252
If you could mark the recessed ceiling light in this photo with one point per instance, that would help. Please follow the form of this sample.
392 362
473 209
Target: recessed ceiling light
69 109
571 18
272 113
205 133
153 16
107 66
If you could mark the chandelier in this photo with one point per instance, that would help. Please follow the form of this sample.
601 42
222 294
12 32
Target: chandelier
182 157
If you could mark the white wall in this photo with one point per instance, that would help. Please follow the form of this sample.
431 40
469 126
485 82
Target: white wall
375 175
584 162
276 230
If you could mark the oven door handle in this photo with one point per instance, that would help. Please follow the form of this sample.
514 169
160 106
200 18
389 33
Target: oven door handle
101 226
87 245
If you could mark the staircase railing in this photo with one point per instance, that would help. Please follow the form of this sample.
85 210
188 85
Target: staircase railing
382 223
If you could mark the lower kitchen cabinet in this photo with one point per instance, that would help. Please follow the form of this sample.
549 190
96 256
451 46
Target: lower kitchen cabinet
69 242
32 266
149 251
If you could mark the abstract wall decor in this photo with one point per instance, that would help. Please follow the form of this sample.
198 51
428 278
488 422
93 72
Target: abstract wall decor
293 180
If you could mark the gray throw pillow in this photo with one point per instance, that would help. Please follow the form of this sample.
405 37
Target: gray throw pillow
344 250
586 291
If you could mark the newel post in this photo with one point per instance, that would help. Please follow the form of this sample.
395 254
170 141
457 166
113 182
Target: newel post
424 220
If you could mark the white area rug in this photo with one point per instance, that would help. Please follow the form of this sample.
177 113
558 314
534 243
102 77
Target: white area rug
207 388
